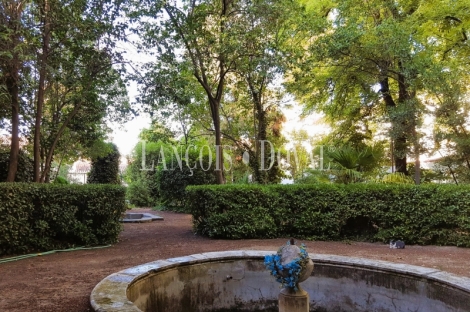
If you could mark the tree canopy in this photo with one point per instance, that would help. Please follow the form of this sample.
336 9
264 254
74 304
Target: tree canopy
58 77
221 71
377 62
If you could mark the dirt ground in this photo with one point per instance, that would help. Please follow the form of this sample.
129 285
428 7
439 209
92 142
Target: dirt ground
63 281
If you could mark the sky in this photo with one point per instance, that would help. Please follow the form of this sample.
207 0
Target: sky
127 135
312 123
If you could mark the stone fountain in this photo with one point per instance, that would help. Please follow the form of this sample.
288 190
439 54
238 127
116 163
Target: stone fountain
238 281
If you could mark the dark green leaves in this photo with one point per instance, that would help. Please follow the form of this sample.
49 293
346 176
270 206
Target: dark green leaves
429 214
40 217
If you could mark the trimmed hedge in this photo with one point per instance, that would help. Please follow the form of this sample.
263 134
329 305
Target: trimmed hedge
427 214
38 217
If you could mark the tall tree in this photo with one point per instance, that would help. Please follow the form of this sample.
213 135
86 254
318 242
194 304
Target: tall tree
448 100
45 21
266 29
13 54
82 87
226 43
57 65
207 32
446 25
170 94
367 57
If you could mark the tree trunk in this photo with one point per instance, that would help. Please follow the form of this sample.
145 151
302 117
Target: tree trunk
261 135
417 176
262 155
13 90
416 152
400 157
219 172
405 97
260 128
399 142
12 82
42 79
200 71
48 162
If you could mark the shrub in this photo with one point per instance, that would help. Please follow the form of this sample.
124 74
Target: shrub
172 184
427 214
105 170
60 180
138 194
37 217
232 211
25 171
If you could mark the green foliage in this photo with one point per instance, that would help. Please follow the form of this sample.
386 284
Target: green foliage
352 164
312 176
450 134
345 164
143 189
427 214
153 157
69 47
38 217
138 194
157 132
299 158
396 177
161 180
105 170
240 100
232 211
25 167
60 180
433 175
172 182
383 66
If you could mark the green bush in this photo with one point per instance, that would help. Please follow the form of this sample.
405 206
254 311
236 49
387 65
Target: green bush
138 194
25 172
173 182
38 217
232 211
162 180
60 180
105 170
427 214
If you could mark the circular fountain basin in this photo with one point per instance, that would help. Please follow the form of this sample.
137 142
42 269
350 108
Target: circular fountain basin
133 217
238 281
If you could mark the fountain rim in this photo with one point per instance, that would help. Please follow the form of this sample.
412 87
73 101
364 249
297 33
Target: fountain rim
102 299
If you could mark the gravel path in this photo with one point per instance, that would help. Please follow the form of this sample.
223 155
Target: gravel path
63 281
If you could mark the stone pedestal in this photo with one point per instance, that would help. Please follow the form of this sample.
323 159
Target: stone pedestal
293 301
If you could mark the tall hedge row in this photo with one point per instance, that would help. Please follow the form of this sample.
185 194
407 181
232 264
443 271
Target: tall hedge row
38 217
428 214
